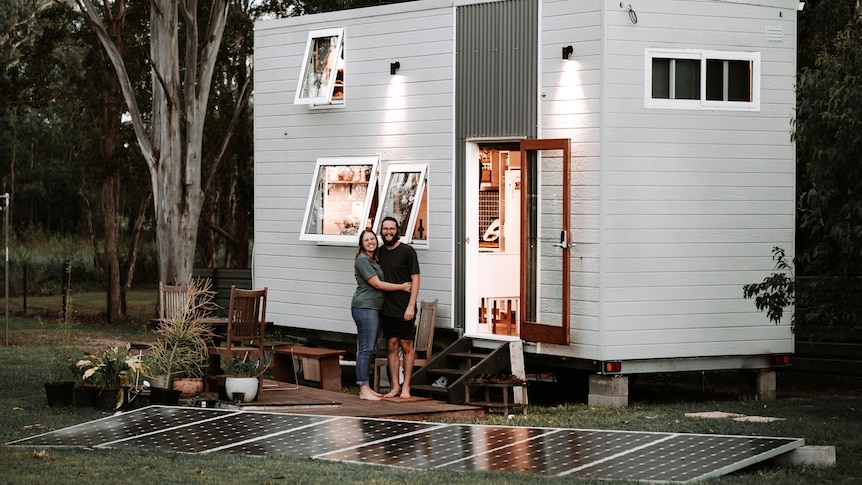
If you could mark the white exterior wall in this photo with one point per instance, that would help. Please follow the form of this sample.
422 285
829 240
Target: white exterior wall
570 107
403 118
673 211
693 201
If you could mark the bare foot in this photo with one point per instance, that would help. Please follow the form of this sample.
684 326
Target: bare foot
368 394
392 393
405 394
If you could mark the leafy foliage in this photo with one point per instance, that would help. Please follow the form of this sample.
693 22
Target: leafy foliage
777 291
827 128
111 367
181 348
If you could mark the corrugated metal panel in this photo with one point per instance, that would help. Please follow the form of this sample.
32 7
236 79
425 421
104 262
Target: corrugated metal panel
496 90
495 72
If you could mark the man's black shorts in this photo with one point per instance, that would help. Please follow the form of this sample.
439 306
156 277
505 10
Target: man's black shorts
396 327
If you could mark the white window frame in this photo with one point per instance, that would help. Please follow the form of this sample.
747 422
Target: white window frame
321 182
702 56
408 220
322 95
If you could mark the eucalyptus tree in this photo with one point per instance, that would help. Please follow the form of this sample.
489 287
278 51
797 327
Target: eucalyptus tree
171 139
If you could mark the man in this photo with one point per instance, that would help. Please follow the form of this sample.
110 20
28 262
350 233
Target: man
397 318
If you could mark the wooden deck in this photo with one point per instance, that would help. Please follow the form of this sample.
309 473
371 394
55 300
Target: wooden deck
293 399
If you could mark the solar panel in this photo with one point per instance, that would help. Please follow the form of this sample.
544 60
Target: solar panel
646 456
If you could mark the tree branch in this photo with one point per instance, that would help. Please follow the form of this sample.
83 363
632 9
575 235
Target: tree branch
91 16
244 96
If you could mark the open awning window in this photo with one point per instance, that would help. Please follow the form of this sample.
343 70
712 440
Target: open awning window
402 198
321 80
341 199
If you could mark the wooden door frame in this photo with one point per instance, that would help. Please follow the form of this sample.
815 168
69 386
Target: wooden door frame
537 331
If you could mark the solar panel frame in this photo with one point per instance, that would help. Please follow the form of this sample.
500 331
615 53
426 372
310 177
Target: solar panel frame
606 454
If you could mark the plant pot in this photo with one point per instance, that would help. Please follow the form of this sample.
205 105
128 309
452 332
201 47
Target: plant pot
160 395
160 381
59 393
85 396
242 389
106 399
189 387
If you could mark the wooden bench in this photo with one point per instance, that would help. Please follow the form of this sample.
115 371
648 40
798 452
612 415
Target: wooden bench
328 361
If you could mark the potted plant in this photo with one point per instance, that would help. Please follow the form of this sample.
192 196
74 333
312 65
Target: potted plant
180 351
61 374
61 381
111 372
241 378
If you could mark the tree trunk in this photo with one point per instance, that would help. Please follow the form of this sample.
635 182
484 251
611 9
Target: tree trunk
172 147
111 217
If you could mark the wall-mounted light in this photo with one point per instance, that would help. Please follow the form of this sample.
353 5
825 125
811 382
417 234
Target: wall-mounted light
394 67
567 51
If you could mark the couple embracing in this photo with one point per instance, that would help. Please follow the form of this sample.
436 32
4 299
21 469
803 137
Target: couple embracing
387 283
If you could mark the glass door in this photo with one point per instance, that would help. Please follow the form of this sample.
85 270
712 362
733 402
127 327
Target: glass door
545 247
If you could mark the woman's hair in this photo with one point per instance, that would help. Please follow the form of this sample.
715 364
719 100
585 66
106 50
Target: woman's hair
359 249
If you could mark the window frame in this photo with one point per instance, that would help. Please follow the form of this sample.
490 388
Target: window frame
420 185
316 192
329 86
702 56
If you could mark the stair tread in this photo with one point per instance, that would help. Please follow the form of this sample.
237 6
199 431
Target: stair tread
468 355
429 389
447 371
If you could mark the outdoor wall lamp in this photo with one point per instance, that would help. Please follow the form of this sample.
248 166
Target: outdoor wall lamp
394 67
567 51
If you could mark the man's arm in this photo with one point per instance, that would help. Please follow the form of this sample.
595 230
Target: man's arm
410 312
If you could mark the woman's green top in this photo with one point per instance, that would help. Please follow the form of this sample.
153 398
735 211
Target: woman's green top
366 296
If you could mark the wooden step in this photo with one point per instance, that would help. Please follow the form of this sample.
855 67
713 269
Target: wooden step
448 372
472 355
430 390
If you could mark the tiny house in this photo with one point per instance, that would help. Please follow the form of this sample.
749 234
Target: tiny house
595 179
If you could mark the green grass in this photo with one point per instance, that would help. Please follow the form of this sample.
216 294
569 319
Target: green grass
824 410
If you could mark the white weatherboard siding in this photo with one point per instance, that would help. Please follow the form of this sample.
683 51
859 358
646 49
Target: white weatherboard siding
673 210
693 200
403 118
570 107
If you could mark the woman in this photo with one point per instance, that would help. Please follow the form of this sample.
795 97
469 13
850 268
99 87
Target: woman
365 307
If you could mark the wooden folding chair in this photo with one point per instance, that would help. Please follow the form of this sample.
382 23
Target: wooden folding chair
423 341
173 300
245 331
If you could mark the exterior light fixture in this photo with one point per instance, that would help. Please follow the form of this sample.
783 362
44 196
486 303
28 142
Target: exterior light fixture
567 51
394 67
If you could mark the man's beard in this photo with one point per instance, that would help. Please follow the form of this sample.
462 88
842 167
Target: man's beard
390 242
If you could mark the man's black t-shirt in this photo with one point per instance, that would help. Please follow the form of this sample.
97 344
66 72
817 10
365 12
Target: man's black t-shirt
398 265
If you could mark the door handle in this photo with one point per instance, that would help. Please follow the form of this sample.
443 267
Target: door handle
564 241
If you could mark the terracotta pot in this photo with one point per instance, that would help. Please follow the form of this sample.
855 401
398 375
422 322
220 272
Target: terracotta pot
189 387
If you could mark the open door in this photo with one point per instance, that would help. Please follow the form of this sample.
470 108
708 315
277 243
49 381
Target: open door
545 247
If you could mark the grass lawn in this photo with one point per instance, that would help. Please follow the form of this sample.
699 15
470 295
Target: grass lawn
824 410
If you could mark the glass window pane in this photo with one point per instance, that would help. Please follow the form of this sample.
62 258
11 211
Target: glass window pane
339 202
686 79
739 81
660 78
715 80
322 65
401 198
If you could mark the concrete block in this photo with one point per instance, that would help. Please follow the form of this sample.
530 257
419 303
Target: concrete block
759 384
810 456
609 385
608 391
